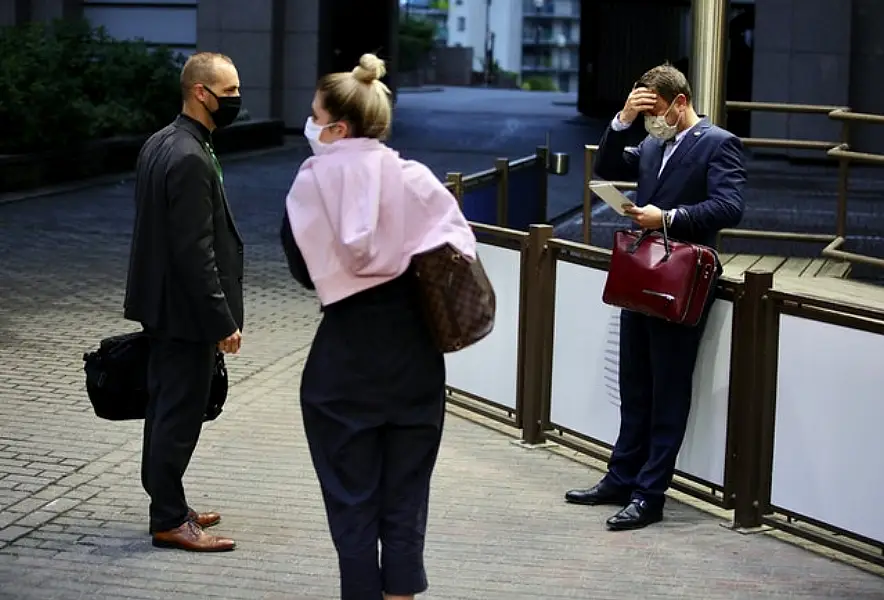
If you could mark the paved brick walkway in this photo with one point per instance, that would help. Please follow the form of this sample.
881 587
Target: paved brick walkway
72 514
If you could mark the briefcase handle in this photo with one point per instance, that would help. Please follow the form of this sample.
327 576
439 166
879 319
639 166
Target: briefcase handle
646 234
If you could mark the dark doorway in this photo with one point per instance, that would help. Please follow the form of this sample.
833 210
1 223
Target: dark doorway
350 28
739 67
621 39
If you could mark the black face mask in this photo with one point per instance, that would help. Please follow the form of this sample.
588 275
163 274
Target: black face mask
228 109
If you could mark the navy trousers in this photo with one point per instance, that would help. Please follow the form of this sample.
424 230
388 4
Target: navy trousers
373 402
657 360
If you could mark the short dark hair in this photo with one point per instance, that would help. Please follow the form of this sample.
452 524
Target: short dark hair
200 68
667 81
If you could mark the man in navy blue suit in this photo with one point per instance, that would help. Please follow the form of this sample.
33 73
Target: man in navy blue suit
690 175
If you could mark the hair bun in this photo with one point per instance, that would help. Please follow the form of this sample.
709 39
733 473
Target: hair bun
370 68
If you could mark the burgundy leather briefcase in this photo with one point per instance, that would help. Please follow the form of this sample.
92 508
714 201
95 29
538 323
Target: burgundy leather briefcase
659 277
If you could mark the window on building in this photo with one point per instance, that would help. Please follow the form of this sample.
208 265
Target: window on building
461 23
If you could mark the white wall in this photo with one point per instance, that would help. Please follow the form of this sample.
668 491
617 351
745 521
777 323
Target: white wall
505 22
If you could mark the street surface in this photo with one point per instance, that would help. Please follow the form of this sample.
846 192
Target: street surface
73 515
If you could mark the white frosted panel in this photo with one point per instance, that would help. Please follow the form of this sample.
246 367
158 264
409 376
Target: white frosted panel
171 26
585 397
586 353
488 369
828 447
703 451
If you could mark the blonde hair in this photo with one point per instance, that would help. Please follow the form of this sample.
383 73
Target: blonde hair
360 98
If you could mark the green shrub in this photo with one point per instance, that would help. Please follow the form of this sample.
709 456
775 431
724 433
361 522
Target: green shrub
64 83
540 84
416 39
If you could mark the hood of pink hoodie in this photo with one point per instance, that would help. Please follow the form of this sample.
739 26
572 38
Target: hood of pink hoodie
359 213
360 184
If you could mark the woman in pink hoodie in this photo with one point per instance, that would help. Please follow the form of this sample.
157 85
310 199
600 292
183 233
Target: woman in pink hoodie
373 388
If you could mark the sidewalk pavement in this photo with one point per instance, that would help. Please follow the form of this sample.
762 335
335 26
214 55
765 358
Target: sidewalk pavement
73 516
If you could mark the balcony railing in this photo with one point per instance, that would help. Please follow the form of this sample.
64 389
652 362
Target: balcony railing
551 10
548 40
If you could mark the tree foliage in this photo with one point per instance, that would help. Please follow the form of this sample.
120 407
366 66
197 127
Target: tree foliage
64 83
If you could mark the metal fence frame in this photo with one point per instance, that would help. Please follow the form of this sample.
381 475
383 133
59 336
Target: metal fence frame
839 151
757 305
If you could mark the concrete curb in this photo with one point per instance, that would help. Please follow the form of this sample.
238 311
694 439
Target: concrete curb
84 184
420 90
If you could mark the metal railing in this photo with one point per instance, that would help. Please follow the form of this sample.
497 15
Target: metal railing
499 176
838 150
531 354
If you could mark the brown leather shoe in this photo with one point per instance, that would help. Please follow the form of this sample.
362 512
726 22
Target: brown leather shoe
204 520
192 538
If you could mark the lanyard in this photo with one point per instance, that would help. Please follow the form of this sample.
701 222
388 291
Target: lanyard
217 163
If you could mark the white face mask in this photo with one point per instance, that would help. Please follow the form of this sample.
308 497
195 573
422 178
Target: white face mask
312 131
658 128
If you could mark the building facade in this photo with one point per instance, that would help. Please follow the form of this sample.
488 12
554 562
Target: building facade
275 43
534 38
821 52
799 51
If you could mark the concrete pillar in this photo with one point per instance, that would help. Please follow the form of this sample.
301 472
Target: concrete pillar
47 10
709 57
802 56
301 65
866 72
9 14
18 12
274 44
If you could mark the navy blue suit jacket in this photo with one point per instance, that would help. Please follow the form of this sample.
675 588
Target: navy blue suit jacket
703 178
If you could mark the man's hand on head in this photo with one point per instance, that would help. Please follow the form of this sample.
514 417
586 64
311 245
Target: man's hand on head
640 100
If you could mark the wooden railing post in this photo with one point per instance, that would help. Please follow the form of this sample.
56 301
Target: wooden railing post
542 166
455 180
752 400
843 182
588 152
502 165
535 349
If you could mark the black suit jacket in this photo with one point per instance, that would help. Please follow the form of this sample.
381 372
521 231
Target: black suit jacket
186 263
703 178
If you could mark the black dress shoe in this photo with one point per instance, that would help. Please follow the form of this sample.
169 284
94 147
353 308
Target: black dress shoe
600 493
636 514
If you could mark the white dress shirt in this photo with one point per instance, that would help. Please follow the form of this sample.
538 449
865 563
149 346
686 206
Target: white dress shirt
668 149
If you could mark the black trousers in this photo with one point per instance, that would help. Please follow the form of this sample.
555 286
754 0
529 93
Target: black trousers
657 360
373 403
179 380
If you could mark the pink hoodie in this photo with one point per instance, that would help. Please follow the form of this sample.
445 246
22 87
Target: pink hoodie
359 213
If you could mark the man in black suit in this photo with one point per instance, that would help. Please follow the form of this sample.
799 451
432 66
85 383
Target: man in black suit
690 174
185 288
